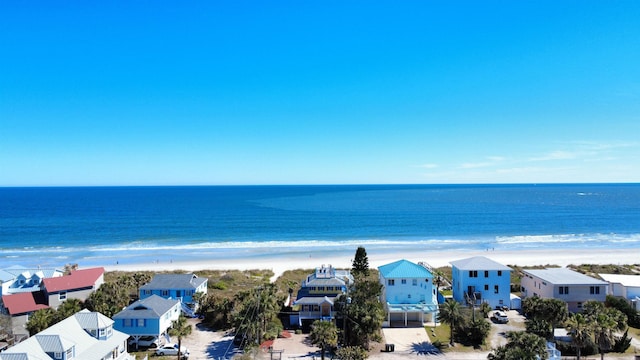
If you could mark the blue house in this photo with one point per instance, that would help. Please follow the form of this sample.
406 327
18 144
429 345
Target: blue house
408 292
147 319
182 287
479 279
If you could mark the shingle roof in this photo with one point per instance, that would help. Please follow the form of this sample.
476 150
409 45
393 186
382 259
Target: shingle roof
174 281
564 276
314 300
21 303
404 269
479 263
78 279
149 308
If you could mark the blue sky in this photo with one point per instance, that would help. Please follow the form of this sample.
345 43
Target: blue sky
301 92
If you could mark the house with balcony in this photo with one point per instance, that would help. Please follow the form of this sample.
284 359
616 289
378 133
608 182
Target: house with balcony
148 318
478 280
318 293
408 293
565 284
85 335
78 284
624 286
182 287
19 279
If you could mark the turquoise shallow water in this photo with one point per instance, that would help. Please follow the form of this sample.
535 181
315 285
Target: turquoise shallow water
101 225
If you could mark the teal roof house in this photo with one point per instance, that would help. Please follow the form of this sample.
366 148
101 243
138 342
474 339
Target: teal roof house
408 293
480 280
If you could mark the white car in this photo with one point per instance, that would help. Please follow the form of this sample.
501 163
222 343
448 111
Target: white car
172 349
500 317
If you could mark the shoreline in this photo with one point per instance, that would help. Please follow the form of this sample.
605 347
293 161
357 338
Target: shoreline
378 258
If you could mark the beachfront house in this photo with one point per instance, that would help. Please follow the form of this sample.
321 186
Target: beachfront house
19 279
85 335
624 286
408 292
78 284
318 293
182 287
570 286
479 279
148 319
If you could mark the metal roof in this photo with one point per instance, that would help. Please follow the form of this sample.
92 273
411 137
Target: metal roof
564 276
625 280
478 263
404 269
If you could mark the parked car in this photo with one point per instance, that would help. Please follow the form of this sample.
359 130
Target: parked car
172 349
500 317
146 342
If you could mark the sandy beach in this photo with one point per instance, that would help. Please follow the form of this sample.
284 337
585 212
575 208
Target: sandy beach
562 257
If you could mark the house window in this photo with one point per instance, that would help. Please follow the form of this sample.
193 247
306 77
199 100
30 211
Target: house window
62 295
486 273
404 281
499 272
564 290
414 282
101 332
473 273
486 287
594 290
495 289
501 302
70 353
127 322
391 282
147 292
140 322
57 355
408 296
165 292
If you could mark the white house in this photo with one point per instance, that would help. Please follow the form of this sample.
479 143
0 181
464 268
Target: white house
624 286
19 279
570 286
408 292
85 335
479 279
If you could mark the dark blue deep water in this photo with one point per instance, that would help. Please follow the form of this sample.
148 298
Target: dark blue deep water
91 224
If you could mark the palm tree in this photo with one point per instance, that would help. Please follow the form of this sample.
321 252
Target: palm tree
450 313
580 330
180 328
521 346
40 320
68 308
324 334
603 327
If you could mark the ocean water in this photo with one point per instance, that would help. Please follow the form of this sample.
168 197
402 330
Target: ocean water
103 225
